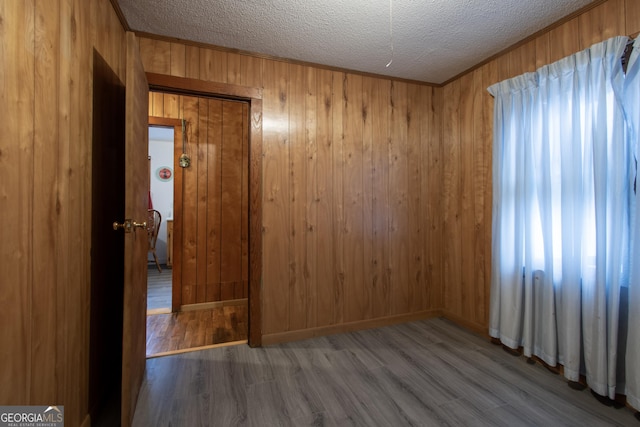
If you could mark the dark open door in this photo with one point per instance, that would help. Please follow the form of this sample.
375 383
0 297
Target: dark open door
107 247
136 243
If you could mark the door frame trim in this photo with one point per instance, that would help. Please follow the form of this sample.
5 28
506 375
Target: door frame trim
194 87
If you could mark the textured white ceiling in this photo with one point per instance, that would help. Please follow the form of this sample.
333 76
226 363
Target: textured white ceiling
433 40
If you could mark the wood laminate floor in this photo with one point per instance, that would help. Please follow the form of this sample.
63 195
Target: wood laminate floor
158 288
191 329
426 373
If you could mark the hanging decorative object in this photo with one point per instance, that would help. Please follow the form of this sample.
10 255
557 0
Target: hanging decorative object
184 161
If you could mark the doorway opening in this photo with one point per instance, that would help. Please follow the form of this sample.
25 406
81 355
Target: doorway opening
159 258
208 241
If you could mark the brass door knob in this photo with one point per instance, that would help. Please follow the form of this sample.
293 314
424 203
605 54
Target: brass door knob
128 225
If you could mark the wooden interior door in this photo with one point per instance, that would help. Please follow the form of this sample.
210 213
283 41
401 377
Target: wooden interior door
136 243
107 246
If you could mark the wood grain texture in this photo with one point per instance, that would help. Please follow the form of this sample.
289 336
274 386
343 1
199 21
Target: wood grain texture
47 52
381 139
211 199
324 209
602 22
198 328
297 203
47 183
467 301
136 244
213 219
255 222
428 372
401 218
311 193
434 208
398 201
452 198
352 162
276 268
16 200
337 286
201 133
416 280
632 17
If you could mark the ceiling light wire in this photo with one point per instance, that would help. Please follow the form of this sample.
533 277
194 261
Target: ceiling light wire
390 30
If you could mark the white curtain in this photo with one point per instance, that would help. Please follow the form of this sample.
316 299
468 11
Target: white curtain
631 95
562 187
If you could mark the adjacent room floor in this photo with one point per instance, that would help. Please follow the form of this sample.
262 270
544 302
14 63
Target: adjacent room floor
425 373
158 289
176 332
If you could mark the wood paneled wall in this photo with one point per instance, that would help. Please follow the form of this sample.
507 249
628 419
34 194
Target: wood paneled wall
212 201
46 51
467 123
352 220
377 193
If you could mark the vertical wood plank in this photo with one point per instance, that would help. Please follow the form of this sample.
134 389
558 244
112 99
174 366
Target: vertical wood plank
178 59
243 290
479 191
380 121
231 197
199 135
214 168
489 77
63 237
190 203
398 201
311 214
255 227
368 89
414 199
426 118
156 104
542 53
435 203
178 221
353 189
156 55
172 106
466 169
338 201
213 65
47 203
523 59
192 62
298 282
451 199
602 22
251 71
276 197
632 17
233 69
17 41
324 214
565 40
